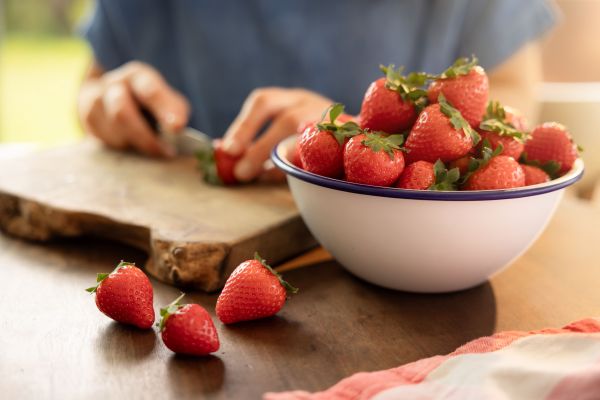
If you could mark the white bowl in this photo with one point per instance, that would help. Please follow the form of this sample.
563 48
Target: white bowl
417 240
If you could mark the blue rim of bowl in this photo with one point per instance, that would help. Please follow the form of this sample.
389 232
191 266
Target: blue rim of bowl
475 195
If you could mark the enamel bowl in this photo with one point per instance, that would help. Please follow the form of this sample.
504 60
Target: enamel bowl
421 241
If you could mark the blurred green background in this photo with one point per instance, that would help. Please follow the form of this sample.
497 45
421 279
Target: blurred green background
42 61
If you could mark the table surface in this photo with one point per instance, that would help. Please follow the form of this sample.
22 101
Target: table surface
56 344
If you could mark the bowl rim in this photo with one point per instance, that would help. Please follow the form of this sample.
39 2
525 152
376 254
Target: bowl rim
282 163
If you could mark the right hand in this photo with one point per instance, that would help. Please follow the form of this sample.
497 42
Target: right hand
109 108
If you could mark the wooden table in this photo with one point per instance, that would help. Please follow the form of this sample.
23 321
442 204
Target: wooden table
55 343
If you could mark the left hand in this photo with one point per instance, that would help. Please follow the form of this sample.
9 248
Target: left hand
283 109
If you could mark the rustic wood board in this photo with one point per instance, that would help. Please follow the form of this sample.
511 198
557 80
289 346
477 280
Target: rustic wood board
335 326
195 233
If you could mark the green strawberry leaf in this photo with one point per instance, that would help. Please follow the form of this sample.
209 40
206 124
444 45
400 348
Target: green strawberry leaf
102 276
208 166
476 164
409 87
502 129
552 168
445 180
457 120
339 132
380 141
288 288
461 66
169 310
580 148
495 110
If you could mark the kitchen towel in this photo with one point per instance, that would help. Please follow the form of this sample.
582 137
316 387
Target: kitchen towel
550 364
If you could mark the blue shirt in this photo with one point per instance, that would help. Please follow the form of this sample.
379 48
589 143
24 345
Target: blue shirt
217 52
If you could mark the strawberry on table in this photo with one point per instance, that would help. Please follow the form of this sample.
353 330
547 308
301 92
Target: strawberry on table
465 85
188 329
391 104
423 175
253 291
321 146
125 295
497 128
534 175
493 171
373 158
440 133
551 142
217 166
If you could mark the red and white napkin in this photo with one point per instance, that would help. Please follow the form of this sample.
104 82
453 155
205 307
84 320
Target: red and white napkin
550 364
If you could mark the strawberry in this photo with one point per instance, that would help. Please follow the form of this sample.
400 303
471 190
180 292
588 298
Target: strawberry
253 291
440 133
515 118
418 176
461 163
551 142
423 175
512 147
534 175
390 104
188 329
497 129
217 165
374 159
493 171
125 295
465 85
321 146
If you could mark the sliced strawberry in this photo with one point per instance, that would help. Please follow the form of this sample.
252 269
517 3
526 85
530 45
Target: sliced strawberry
217 166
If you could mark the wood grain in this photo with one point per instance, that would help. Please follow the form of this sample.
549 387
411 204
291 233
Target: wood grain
194 233
56 345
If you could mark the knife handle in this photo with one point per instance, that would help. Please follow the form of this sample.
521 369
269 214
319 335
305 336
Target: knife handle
150 119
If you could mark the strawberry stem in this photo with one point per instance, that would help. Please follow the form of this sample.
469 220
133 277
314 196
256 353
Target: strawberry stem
167 311
444 179
208 166
288 287
102 276
461 66
339 132
457 120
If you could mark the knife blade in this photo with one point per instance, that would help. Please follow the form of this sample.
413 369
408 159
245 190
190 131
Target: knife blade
187 142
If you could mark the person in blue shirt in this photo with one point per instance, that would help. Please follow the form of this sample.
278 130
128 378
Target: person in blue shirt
252 70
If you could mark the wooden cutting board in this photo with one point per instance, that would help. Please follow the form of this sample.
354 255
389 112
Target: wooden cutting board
194 233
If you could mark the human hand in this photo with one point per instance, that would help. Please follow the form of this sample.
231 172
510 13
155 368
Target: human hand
284 109
109 108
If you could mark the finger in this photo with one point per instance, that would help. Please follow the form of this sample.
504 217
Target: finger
125 120
93 117
251 165
260 107
169 107
271 174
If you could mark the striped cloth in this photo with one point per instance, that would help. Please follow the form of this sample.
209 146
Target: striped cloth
550 364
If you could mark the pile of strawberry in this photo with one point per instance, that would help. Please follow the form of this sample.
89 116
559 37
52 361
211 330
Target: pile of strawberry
434 132
253 291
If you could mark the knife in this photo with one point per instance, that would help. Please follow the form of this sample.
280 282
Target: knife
187 142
